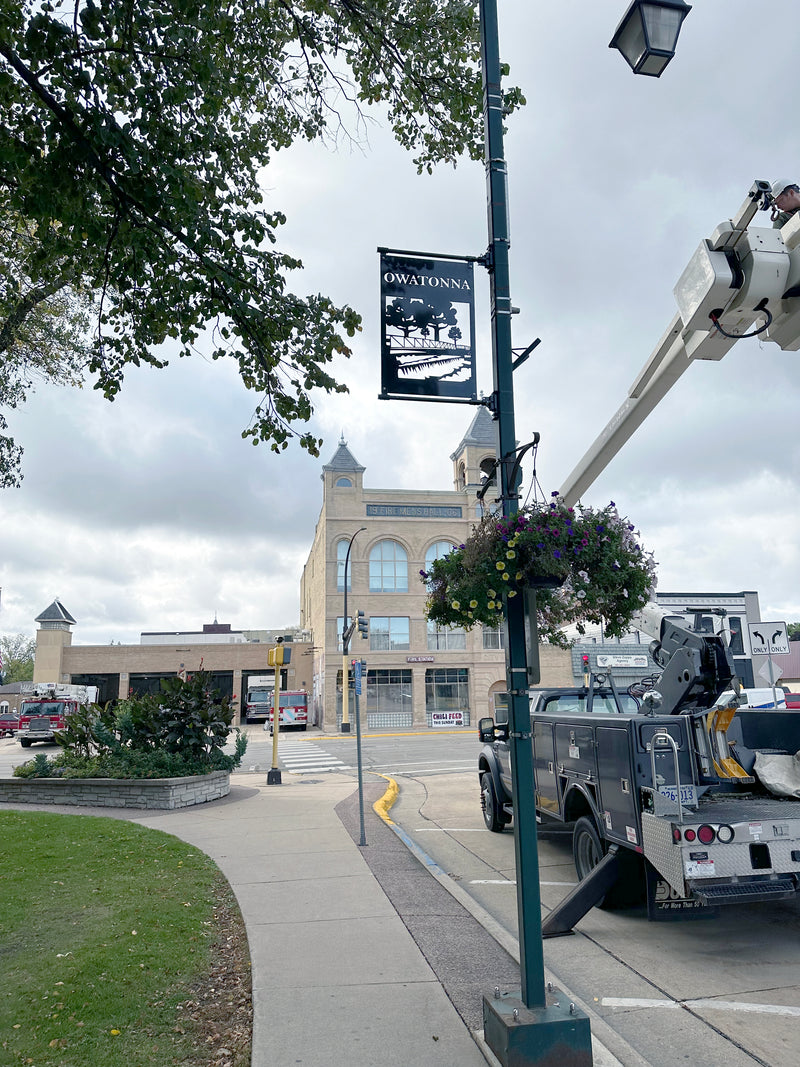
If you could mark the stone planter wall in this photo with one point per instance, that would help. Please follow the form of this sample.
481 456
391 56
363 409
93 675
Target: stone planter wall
117 792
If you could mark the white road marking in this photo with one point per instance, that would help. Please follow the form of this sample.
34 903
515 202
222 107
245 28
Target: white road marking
503 881
451 830
705 1004
302 757
420 763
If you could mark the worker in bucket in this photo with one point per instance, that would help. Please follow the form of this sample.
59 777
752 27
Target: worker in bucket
785 201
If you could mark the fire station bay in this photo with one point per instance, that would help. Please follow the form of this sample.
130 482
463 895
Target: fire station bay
417 674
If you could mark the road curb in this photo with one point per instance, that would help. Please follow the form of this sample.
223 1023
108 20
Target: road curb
604 1038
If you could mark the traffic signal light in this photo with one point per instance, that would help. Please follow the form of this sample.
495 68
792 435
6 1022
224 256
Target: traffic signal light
275 656
363 624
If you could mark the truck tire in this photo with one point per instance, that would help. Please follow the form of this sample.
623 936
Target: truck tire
493 815
588 849
25 742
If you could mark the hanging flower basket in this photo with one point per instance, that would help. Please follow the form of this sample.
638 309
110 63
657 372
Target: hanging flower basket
586 564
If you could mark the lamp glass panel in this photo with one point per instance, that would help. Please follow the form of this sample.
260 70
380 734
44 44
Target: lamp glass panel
663 26
631 40
653 65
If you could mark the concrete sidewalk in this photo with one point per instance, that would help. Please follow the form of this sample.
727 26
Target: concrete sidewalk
337 978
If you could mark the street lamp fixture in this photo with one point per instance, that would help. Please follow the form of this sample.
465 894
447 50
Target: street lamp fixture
648 34
346 633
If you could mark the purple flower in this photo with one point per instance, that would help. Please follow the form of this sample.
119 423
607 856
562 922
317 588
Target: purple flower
554 493
556 553
600 527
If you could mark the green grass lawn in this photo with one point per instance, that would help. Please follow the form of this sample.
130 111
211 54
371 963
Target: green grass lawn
106 930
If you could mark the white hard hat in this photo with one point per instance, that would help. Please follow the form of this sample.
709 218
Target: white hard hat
779 185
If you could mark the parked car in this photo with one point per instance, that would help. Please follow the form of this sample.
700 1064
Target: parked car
8 724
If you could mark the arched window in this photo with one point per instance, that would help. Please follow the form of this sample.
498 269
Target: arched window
341 554
344 483
489 470
437 550
388 568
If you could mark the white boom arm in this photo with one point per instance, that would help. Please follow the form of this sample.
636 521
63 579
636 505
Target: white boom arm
735 279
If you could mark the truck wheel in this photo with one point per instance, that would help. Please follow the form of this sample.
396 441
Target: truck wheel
25 742
587 851
493 815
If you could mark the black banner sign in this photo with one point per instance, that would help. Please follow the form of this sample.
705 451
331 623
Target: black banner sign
427 328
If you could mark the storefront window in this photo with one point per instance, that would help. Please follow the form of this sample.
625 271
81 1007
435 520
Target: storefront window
447 696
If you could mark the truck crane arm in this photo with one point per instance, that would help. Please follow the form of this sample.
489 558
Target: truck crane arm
697 667
739 280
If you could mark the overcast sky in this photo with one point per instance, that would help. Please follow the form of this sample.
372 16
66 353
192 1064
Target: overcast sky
152 513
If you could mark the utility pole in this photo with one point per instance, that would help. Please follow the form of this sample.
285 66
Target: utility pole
347 633
527 1025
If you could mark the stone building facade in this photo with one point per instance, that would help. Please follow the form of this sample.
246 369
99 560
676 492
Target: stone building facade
417 674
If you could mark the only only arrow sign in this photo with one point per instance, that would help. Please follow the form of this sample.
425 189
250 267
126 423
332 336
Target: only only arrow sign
769 638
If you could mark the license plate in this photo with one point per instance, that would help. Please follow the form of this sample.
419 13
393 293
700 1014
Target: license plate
688 794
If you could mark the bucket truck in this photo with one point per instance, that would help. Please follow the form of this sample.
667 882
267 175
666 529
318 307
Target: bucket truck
685 792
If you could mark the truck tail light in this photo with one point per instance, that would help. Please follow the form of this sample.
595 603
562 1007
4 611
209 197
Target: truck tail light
725 834
689 835
706 834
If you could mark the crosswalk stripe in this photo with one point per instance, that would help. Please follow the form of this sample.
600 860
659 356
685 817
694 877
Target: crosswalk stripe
302 757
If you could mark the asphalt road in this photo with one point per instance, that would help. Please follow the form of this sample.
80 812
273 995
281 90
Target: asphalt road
702 993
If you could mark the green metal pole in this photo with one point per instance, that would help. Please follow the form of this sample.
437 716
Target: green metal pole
525 840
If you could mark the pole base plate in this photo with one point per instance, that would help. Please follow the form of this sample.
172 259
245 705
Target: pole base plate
556 1035
274 776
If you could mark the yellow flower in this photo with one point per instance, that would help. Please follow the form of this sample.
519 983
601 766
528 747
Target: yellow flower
500 565
510 554
491 592
505 577
512 592
473 603
456 604
518 575
490 605
116 1033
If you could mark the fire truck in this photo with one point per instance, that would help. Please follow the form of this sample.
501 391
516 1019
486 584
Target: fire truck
45 707
260 697
682 795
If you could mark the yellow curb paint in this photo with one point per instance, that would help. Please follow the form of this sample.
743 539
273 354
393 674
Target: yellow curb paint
381 807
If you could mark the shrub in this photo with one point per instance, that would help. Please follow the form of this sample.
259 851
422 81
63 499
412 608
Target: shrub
178 732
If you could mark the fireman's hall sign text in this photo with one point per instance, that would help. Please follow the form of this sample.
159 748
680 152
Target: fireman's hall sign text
427 327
